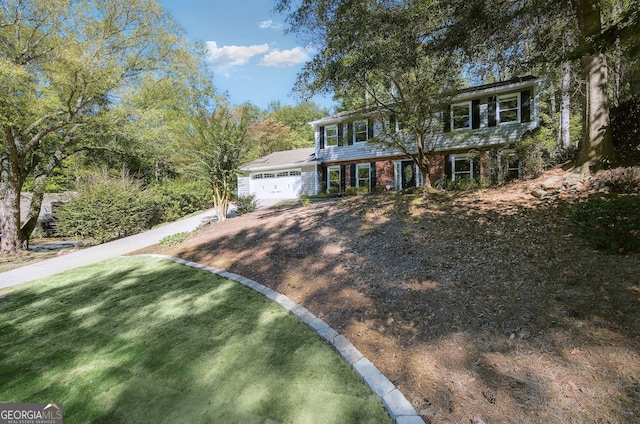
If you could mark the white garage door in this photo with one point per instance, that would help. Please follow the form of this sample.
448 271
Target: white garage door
277 185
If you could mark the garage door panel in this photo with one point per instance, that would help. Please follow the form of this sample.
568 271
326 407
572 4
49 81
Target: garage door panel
277 188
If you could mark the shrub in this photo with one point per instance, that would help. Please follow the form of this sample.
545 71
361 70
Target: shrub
246 204
178 198
106 208
460 184
532 157
333 191
352 191
618 180
498 163
609 222
305 200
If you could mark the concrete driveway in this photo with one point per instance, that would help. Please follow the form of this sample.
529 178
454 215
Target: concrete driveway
101 252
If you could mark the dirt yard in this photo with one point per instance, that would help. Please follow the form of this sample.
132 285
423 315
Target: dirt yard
479 306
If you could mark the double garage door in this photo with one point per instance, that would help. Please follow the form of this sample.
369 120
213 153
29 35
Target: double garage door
276 185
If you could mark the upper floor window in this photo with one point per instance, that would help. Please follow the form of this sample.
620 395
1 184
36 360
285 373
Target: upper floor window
508 109
461 115
360 131
331 135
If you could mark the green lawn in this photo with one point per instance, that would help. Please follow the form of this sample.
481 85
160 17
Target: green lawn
140 340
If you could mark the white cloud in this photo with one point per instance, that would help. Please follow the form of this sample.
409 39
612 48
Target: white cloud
291 57
229 56
269 24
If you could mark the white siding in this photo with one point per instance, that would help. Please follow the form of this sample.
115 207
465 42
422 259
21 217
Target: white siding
309 181
244 186
440 141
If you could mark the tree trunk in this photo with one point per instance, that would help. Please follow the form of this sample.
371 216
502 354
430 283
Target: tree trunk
422 160
10 217
565 107
31 220
596 151
220 202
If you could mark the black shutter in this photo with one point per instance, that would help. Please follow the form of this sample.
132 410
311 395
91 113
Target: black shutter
343 178
392 124
447 167
491 108
350 134
340 135
475 114
447 119
352 175
476 169
370 124
525 106
322 137
373 175
323 179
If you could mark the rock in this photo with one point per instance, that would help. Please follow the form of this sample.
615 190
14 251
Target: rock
540 193
477 421
552 183
574 182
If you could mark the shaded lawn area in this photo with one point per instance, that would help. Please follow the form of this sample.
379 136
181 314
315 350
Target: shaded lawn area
143 340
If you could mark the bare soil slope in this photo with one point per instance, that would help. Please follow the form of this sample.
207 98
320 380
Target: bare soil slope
478 306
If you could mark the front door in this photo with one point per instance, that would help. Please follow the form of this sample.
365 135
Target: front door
408 174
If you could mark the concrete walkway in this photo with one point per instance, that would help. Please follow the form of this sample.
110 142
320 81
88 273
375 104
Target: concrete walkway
101 252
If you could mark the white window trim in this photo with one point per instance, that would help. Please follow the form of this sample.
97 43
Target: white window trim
326 136
365 166
453 165
332 168
518 108
366 131
452 117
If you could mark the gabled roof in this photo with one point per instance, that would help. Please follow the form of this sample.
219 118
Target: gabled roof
284 159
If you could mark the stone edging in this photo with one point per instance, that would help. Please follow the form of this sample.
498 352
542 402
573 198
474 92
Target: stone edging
399 408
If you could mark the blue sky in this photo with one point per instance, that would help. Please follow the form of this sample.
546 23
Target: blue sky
252 60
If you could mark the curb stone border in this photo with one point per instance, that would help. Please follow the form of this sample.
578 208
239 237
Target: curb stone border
398 407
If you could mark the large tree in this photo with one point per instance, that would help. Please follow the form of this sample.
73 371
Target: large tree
361 41
547 35
384 51
63 65
217 144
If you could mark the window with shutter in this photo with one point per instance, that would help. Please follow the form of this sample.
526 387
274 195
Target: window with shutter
363 176
508 108
461 116
331 135
360 131
334 178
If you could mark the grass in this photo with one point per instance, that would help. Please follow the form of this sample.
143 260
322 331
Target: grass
141 340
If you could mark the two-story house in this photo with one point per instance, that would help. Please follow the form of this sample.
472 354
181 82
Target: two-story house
478 119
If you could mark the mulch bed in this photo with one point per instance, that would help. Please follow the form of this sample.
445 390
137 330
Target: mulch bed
479 305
